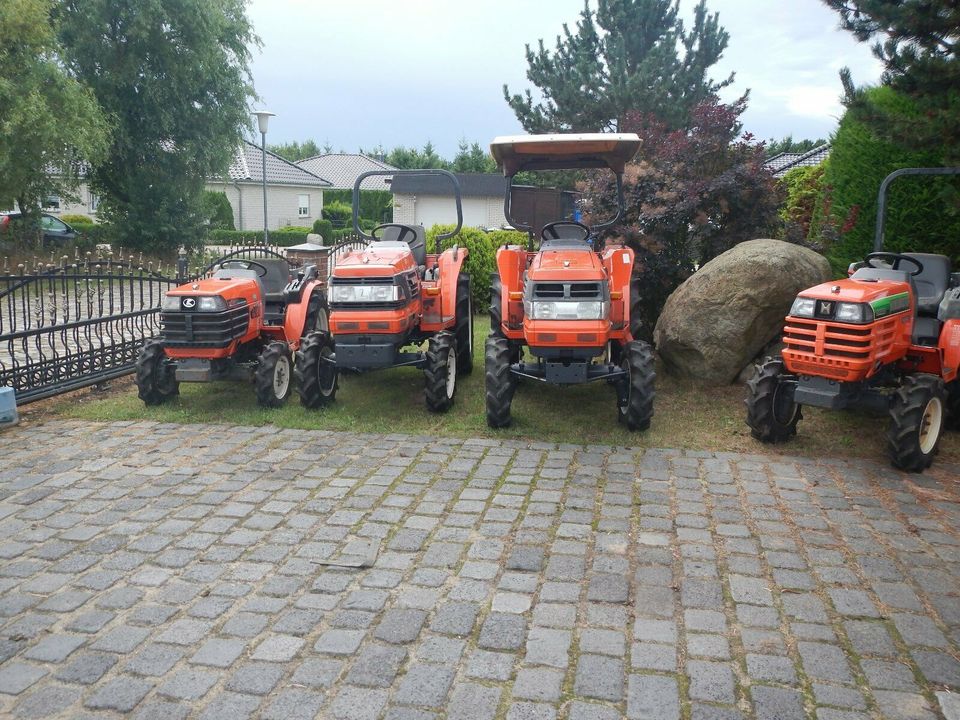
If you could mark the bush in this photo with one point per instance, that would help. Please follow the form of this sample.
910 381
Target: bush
338 213
217 210
77 219
921 211
481 262
803 186
375 205
90 233
324 228
284 237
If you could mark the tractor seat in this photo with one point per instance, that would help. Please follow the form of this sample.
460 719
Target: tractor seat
276 279
418 244
932 283
564 244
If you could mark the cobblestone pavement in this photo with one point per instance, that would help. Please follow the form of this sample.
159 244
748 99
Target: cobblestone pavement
171 571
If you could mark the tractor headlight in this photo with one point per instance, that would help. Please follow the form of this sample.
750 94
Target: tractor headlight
803 307
566 310
854 313
170 302
211 303
364 293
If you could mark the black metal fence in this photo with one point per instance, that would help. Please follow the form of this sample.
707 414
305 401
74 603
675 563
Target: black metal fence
68 323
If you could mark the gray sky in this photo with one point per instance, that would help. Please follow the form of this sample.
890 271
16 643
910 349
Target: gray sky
401 72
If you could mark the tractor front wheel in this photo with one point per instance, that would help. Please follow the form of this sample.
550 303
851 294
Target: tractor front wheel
440 372
917 416
274 374
771 412
156 381
638 363
496 316
500 384
464 327
316 375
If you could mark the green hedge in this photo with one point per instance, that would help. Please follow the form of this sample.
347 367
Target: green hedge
324 228
481 263
90 234
375 205
284 237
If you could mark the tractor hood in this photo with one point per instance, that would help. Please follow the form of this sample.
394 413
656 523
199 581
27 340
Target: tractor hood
375 262
566 265
226 287
856 291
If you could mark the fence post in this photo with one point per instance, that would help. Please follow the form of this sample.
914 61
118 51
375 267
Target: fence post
182 265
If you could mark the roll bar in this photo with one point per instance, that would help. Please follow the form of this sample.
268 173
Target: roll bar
882 196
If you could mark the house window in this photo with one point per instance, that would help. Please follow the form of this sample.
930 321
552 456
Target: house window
303 206
51 203
94 202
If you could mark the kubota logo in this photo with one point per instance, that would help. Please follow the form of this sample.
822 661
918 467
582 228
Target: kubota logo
189 302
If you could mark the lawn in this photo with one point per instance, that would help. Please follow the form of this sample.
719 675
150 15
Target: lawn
687 416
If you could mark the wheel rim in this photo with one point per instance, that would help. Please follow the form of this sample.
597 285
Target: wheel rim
784 409
281 377
451 373
326 373
930 425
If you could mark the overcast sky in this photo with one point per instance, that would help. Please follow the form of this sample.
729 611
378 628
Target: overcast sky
401 72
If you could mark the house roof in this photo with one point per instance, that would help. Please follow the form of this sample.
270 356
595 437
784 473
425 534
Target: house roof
342 169
471 185
247 166
783 163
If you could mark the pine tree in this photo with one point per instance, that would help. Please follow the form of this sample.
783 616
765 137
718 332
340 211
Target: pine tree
628 55
917 42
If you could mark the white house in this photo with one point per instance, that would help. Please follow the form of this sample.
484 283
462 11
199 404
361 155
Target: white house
428 200
294 194
343 169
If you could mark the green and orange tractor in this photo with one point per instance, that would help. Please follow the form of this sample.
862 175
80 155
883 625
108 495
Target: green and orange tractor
887 339
388 298
567 303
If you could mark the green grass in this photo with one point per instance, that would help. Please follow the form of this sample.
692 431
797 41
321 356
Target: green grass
389 401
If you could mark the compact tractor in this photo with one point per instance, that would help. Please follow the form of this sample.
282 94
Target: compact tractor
390 295
243 320
887 339
568 302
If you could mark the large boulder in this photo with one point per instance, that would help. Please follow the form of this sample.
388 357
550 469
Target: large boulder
717 321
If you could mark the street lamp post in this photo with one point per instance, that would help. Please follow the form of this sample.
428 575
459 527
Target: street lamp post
263 118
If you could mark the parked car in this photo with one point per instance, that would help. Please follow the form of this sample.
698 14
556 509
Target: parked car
55 230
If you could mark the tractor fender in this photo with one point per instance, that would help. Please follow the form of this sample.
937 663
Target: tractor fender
950 348
511 264
618 261
450 262
295 316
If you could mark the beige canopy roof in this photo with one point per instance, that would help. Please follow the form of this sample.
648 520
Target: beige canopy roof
515 153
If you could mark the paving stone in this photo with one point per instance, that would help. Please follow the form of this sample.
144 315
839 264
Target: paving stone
771 668
293 704
230 706
488 665
339 642
471 701
46 701
502 631
608 588
888 675
400 625
711 681
121 694
525 710
599 677
853 603
188 684
652 697
425 685
376 666
455 618
54 648
540 684
154 660
256 678
219 653
84 668
16 677
546 646
317 673
771 703
903 706
579 710
525 558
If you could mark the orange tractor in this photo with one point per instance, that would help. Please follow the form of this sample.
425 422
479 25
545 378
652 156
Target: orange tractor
392 294
568 302
887 338
243 320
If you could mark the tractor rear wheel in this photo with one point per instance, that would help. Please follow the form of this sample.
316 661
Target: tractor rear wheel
440 372
500 384
156 381
273 378
771 412
917 416
316 376
638 363
464 327
318 314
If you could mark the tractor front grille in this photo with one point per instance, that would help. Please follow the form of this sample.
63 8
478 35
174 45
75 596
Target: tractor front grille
203 329
568 291
837 350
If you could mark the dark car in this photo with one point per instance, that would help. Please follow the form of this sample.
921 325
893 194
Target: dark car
55 230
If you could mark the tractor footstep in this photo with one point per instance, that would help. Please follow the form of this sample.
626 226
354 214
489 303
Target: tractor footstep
356 553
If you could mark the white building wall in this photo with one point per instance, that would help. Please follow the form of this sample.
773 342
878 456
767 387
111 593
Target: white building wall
428 210
282 204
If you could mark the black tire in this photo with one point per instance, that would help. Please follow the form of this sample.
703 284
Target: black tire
500 384
273 379
496 316
917 413
156 381
464 326
639 365
317 379
953 405
771 414
440 382
318 314
636 318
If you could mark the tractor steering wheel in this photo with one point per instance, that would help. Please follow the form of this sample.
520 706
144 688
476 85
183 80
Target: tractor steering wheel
404 231
552 229
247 265
894 259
